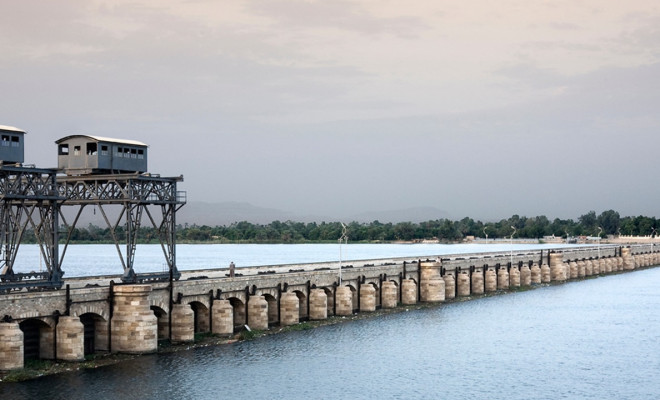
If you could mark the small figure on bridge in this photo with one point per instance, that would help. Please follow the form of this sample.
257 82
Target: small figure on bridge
231 269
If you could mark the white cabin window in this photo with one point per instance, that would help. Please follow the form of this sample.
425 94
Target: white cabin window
140 154
63 150
104 150
15 141
76 150
5 140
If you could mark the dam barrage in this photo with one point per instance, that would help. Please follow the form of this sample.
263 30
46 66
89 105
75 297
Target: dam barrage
95 315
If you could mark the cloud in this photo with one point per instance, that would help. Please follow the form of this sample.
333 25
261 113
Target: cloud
321 106
335 15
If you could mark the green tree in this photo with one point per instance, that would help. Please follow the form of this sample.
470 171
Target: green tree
610 222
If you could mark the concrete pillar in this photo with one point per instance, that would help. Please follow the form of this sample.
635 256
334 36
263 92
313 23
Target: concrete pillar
463 283
257 313
318 305
596 266
222 318
290 309
367 298
344 299
183 323
70 339
546 276
582 268
525 276
535 272
408 292
628 260
450 285
608 265
478 282
134 326
491 280
573 269
557 270
588 268
430 284
502 278
11 346
514 277
619 263
435 291
390 294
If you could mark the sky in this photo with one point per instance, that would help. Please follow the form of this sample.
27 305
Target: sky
478 108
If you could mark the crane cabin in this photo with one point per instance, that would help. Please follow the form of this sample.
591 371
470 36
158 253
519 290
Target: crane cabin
12 149
85 155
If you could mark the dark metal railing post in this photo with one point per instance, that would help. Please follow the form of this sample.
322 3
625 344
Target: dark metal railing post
111 304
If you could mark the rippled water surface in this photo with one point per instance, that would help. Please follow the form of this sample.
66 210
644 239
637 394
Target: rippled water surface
103 259
594 339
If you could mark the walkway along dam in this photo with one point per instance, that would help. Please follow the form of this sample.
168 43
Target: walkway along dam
92 315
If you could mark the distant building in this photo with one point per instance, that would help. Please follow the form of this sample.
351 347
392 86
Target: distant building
83 155
12 148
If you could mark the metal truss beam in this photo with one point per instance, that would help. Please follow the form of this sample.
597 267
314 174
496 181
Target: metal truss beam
29 200
136 195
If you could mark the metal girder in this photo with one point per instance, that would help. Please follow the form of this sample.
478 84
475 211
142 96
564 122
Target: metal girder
136 195
120 188
29 199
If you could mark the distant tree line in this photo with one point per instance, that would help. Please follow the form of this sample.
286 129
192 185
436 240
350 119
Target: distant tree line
590 224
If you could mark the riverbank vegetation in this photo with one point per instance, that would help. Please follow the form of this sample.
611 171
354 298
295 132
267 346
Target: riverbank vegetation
444 230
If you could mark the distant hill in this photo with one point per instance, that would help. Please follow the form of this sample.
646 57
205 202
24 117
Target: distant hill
226 213
415 214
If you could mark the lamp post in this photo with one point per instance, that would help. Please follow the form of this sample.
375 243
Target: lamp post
514 232
652 236
343 238
485 234
599 231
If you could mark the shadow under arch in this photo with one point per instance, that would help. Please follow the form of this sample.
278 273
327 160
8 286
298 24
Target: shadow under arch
95 329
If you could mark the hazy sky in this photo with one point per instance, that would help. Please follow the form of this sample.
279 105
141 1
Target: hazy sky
476 107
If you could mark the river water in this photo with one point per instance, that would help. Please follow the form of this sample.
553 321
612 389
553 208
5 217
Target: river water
592 339
95 259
